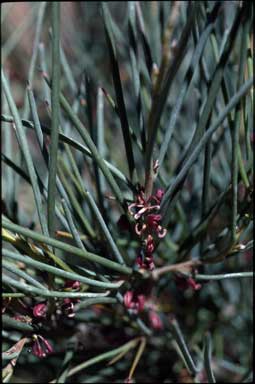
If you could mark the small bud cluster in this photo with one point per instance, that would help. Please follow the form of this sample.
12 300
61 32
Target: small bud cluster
137 302
67 305
40 312
147 227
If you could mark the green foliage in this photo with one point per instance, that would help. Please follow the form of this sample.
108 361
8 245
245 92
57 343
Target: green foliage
127 168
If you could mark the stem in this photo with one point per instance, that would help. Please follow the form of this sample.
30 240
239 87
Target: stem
55 117
66 247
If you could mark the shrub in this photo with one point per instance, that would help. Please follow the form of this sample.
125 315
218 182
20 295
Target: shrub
127 192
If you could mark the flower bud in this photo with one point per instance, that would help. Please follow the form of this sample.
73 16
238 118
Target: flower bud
41 346
155 320
40 310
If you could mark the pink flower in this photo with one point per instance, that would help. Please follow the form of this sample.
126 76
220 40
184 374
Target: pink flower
72 285
145 262
145 259
155 320
68 303
193 284
153 224
153 220
40 310
138 210
184 283
143 205
68 306
150 225
140 228
149 244
41 347
159 194
134 302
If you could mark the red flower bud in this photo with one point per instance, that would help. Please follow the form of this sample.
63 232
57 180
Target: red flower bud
40 310
184 283
153 220
134 302
193 284
73 285
141 302
41 347
155 320
68 306
159 194
128 299
146 262
149 244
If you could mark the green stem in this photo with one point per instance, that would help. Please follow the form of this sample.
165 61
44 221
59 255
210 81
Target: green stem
94 152
207 359
96 300
183 348
75 144
237 275
27 154
46 293
58 272
8 322
55 117
12 268
171 189
103 356
87 195
66 247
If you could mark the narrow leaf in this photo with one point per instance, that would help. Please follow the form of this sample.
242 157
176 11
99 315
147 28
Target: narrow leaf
55 116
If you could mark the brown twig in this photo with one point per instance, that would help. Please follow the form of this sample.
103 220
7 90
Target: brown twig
185 267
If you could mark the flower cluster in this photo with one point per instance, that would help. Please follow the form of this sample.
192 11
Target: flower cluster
147 227
137 302
39 313
67 305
